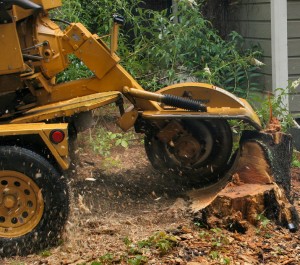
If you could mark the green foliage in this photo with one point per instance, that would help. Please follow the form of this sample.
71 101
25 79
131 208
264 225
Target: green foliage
157 51
137 260
69 11
45 253
106 259
104 140
163 242
109 162
218 239
214 255
76 70
164 246
192 49
263 220
219 244
101 142
274 105
203 234
225 260
160 241
295 161
96 263
127 241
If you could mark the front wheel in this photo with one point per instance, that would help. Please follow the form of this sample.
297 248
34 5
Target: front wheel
34 202
197 150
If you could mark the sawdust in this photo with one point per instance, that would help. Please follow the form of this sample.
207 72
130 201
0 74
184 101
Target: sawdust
132 201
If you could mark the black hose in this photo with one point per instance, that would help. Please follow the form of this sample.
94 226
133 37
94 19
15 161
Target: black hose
183 103
60 20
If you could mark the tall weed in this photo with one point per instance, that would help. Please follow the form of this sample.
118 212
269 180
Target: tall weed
275 105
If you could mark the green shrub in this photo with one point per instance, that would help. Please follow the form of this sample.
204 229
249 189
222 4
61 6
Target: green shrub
274 106
158 52
166 52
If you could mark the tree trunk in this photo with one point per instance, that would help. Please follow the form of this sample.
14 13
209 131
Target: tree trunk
260 185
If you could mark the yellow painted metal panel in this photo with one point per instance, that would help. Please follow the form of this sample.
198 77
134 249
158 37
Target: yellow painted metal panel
59 151
212 96
48 4
62 159
219 102
212 113
20 13
76 35
54 60
94 53
29 128
68 107
11 56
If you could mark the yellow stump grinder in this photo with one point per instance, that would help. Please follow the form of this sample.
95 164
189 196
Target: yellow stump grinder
185 125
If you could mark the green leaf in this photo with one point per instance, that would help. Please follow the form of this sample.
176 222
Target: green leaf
124 144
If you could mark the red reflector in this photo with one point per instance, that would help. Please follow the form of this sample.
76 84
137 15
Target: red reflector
57 136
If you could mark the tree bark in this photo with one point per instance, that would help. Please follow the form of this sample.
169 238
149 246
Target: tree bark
260 185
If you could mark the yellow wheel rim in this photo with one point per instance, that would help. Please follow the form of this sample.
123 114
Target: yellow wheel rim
21 204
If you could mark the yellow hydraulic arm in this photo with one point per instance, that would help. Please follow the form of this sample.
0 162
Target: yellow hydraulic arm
203 102
185 125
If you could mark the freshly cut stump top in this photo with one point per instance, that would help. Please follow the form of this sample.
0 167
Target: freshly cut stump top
260 183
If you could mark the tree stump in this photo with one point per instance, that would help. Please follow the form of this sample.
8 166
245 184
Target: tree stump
260 185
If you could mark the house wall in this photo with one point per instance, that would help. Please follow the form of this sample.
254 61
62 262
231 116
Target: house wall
252 19
294 51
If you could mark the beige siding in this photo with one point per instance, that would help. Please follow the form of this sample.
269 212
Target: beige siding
253 11
294 47
294 66
293 9
255 30
294 50
295 104
252 19
294 27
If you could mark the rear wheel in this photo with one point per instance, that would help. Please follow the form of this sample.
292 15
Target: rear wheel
34 202
197 150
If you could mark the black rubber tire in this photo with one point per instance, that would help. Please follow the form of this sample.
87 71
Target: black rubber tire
55 195
201 174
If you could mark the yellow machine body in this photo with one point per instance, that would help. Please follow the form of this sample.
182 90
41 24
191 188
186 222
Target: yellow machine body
20 13
11 61
36 50
185 126
59 151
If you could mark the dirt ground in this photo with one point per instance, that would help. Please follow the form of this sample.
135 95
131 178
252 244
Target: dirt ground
114 208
